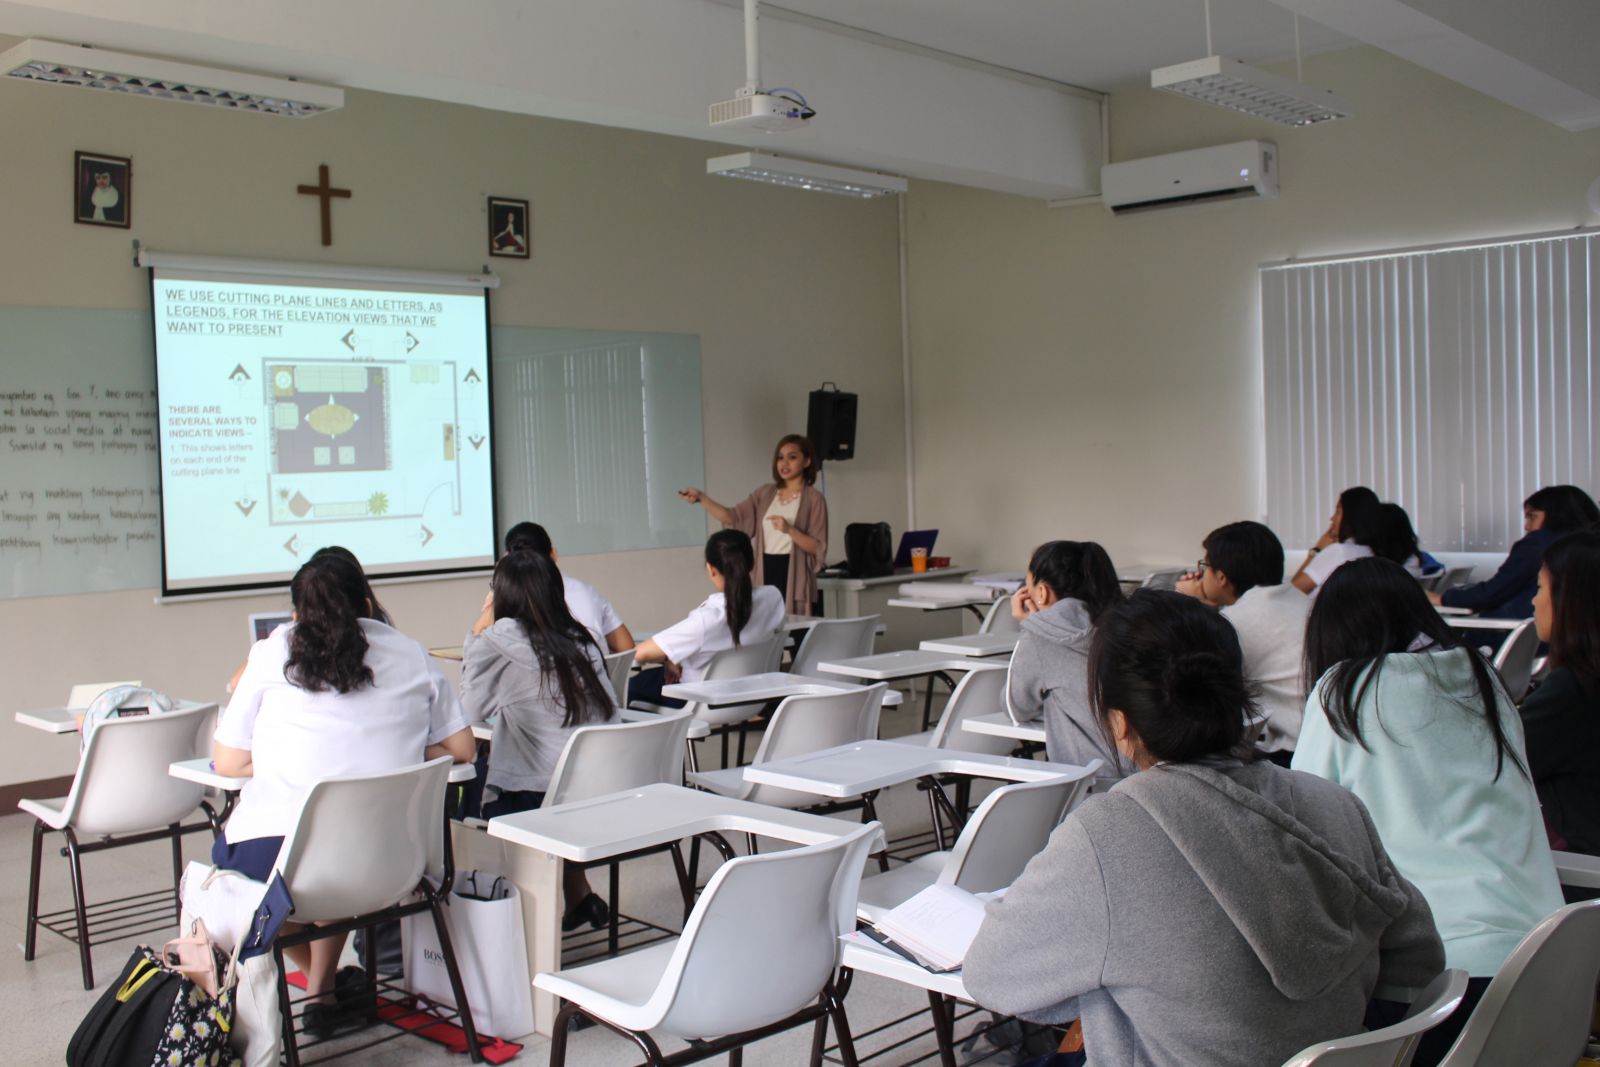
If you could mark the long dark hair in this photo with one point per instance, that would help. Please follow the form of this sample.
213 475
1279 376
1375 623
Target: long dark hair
1077 569
377 611
327 649
1566 508
730 552
1358 515
803 443
1174 669
1573 566
1368 610
527 587
1395 538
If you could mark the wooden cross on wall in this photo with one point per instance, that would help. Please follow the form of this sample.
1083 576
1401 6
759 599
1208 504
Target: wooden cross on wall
326 193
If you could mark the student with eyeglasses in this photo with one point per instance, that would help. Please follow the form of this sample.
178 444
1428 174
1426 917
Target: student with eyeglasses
1241 575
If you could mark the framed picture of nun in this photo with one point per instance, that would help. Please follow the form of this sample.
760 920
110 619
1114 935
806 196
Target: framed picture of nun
509 227
102 192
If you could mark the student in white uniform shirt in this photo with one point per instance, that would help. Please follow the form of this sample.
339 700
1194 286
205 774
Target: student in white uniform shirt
1242 575
735 615
1351 533
333 693
584 601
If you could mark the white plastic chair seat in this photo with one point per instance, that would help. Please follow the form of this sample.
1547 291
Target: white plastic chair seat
52 812
800 726
617 989
834 639
728 782
760 946
882 892
922 739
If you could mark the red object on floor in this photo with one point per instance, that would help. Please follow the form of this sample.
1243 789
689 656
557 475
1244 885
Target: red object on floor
392 1011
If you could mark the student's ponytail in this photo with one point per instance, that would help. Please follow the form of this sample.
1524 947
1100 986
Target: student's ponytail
1079 570
730 552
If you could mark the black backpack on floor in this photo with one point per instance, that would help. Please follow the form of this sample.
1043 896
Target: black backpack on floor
127 1023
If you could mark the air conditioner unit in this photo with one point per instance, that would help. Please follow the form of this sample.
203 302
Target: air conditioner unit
1243 170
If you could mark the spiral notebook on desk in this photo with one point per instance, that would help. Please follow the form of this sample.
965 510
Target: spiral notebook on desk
933 929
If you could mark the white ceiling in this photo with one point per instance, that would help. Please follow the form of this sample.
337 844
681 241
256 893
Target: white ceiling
1107 45
880 72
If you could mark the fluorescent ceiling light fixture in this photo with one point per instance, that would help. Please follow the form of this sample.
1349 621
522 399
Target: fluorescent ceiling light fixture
121 72
1240 87
804 174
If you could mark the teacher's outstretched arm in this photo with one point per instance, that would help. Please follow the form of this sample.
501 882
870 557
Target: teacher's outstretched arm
714 509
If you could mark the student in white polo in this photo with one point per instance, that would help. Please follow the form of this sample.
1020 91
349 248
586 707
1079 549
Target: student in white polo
1242 575
584 601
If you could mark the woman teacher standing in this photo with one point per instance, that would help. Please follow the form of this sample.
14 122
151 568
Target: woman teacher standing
787 519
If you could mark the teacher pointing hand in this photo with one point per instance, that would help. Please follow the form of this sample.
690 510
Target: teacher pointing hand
787 519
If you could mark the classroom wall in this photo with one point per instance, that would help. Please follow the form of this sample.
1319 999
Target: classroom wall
785 289
1083 376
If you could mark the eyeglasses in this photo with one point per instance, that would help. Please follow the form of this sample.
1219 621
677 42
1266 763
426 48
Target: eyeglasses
1202 564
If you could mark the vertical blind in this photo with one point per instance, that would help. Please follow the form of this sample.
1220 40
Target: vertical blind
1454 381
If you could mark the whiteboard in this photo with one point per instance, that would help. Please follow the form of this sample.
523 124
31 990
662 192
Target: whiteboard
79 496
595 430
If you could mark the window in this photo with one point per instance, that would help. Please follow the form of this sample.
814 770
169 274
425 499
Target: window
1454 381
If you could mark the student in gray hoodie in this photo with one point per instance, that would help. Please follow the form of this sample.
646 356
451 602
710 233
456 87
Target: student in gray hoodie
1211 909
1070 584
538 674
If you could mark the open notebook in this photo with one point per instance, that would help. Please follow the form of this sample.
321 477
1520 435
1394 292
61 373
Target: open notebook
934 928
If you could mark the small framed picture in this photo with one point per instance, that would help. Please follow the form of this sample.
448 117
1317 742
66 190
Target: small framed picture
509 226
102 193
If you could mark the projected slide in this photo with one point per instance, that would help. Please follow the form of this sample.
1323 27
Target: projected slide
295 415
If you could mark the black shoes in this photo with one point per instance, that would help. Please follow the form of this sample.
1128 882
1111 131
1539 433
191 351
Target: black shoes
591 909
351 1008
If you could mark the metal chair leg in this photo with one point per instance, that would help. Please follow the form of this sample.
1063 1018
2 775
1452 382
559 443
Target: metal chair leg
685 884
447 950
369 963
614 895
177 872
869 813
943 1028
736 1057
938 822
31 938
79 906
841 1030
291 1050
558 1039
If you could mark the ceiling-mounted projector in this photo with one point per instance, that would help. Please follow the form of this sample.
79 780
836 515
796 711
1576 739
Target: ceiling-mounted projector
761 111
754 107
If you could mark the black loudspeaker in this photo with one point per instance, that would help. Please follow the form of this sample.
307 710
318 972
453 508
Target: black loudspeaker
831 423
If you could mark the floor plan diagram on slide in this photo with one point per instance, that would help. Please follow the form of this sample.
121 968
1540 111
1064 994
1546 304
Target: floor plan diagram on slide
361 440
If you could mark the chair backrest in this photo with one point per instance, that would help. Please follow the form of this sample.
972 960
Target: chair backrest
1515 659
1453 576
618 665
1167 578
763 938
364 842
1010 827
611 757
122 785
806 724
755 657
833 639
981 692
1391 1046
1537 1010
83 694
999 619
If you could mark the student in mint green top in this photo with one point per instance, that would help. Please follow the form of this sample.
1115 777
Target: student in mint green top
1420 729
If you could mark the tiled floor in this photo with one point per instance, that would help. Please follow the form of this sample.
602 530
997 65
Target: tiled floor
42 1002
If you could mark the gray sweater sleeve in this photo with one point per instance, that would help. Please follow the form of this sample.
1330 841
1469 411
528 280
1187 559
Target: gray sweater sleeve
1045 943
1024 685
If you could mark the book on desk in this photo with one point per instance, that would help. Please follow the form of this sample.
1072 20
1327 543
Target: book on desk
932 929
